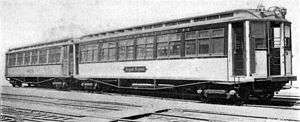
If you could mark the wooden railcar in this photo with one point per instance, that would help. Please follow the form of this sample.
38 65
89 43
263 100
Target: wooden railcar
40 63
232 54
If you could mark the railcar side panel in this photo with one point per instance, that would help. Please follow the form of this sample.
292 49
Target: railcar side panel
180 69
35 71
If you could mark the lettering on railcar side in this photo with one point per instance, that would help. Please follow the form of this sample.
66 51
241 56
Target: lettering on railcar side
135 69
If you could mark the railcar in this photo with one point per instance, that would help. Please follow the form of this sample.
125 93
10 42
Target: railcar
40 64
232 54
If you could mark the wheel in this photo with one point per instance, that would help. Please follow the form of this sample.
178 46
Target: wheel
244 94
266 98
204 99
14 85
19 84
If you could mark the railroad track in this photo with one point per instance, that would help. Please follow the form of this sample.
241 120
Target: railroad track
191 115
176 114
281 102
13 114
81 104
278 102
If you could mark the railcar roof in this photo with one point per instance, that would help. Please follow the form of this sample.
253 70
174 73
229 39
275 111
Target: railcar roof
227 16
65 40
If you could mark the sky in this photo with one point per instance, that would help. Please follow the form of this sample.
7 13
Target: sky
24 22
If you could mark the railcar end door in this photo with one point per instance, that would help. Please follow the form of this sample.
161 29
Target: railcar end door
67 60
258 49
238 49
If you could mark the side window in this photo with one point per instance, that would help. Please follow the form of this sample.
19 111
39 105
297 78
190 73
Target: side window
287 39
34 57
126 49
141 48
27 58
218 41
130 49
149 48
112 51
104 52
168 45
20 58
54 55
276 37
211 42
43 56
258 34
190 43
162 46
83 54
145 48
204 45
175 44
89 53
204 42
93 52
12 59
122 50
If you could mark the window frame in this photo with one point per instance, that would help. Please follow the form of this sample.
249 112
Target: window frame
22 58
40 56
34 55
26 58
105 51
14 57
210 39
127 47
222 36
191 39
166 40
89 52
287 37
57 53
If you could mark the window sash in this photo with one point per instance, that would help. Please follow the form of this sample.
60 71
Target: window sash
190 47
27 58
140 51
54 55
129 52
122 53
112 54
34 57
218 46
175 37
260 43
104 54
42 56
145 40
162 49
20 59
204 47
12 59
149 51
217 32
163 38
89 53
191 35
174 48
204 34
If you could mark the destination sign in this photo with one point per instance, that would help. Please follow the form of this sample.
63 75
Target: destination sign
135 69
